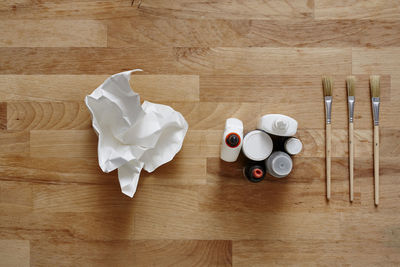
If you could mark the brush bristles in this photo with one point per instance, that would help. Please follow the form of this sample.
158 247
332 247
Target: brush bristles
374 82
351 85
327 84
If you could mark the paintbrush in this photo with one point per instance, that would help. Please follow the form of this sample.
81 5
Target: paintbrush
374 81
327 85
351 84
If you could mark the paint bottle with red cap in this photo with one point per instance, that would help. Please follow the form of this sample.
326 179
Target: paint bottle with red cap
254 172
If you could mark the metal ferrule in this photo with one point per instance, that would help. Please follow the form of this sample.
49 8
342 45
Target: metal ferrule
375 109
328 108
350 101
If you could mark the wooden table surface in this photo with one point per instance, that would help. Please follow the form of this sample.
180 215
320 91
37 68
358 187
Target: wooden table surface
210 60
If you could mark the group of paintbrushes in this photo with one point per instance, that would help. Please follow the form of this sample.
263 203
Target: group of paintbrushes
327 84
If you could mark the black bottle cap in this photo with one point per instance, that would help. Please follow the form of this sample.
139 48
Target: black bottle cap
232 140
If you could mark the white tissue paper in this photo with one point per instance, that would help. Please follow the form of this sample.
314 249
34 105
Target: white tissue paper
132 136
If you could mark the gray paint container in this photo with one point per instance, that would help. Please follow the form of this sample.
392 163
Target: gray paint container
279 164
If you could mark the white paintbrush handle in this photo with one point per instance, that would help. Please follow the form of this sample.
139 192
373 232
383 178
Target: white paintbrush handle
351 160
328 161
376 163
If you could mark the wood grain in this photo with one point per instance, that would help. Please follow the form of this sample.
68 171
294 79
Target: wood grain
47 115
263 60
141 252
108 9
232 9
60 144
14 142
83 60
3 116
76 87
260 253
209 60
15 252
53 33
161 32
369 9
181 60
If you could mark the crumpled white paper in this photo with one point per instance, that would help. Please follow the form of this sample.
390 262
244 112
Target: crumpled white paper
132 136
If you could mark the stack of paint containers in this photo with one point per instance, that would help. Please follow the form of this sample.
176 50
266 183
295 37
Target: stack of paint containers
268 149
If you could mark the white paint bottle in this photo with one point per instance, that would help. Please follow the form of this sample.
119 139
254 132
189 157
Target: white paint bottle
232 140
277 124
257 145
293 146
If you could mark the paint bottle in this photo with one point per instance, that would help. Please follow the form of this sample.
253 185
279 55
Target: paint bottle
232 140
278 124
257 145
254 172
293 146
279 164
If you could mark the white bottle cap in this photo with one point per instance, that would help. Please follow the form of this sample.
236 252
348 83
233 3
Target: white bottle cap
257 145
293 146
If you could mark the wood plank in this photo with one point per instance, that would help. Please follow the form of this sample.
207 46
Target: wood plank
105 9
48 115
3 116
138 252
235 225
76 87
53 33
179 171
182 60
14 143
201 143
67 170
82 60
78 198
167 87
177 32
376 61
15 197
284 89
384 229
369 9
313 252
63 143
263 60
15 252
232 9
212 116
76 9
48 87
54 170
106 225
98 198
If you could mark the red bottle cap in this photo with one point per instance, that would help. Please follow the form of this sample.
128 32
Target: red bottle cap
257 173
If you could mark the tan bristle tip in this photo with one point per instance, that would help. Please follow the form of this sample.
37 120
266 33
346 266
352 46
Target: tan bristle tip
327 85
374 81
351 85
